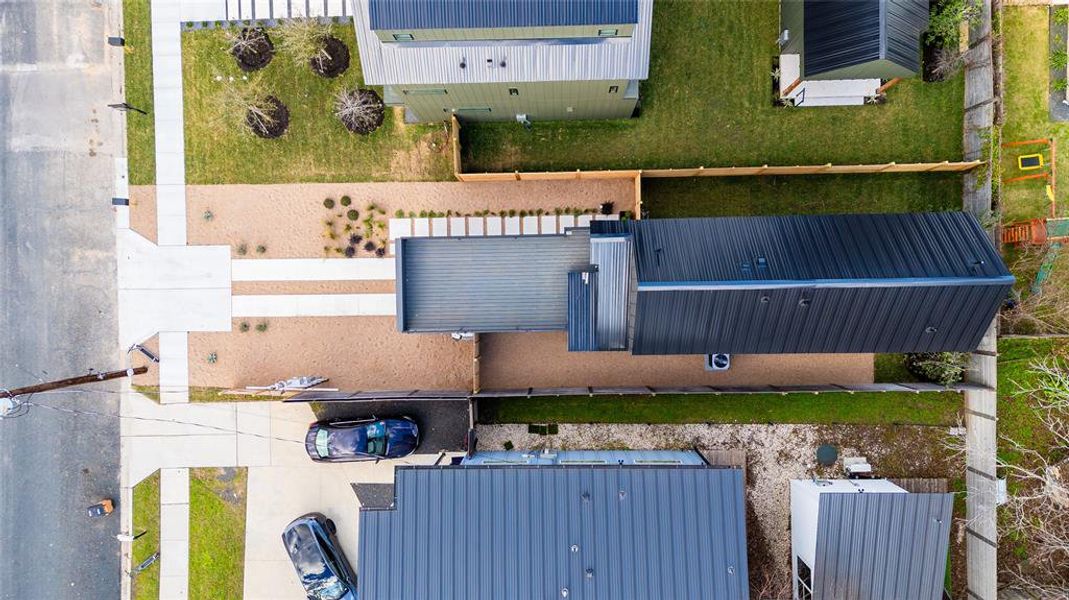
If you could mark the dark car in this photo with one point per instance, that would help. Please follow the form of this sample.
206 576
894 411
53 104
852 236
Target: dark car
346 440
313 547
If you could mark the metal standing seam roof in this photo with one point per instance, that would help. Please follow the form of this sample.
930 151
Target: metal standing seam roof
882 546
844 34
836 283
487 14
484 284
526 60
529 532
612 255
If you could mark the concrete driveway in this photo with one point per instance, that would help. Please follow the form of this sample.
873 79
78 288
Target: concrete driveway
292 485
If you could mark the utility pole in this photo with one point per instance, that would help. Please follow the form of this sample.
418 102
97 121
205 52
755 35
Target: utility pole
62 383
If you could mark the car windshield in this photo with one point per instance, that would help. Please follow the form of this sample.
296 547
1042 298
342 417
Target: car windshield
322 447
376 438
316 575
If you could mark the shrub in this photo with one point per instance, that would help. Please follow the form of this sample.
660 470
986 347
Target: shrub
212 358
352 214
400 214
1061 15
370 246
243 327
1059 60
261 249
350 251
328 203
944 368
1060 85
261 326
380 251
946 18
346 200
242 249
208 216
355 239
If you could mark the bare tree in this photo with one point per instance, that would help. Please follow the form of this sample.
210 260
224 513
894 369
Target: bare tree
362 111
304 40
1038 508
947 62
1043 312
247 104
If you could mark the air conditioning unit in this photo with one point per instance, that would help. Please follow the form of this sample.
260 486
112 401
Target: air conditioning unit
717 362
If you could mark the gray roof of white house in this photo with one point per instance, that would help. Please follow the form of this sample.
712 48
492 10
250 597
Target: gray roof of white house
882 546
438 63
489 14
532 532
482 284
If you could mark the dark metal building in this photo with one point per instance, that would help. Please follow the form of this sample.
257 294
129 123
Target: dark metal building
798 284
746 285
855 39
565 532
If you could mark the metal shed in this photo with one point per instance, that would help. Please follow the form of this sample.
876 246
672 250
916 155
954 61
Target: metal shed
571 532
798 284
859 39
485 284
876 546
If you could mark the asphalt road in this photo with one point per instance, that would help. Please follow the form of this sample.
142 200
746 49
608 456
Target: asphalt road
57 299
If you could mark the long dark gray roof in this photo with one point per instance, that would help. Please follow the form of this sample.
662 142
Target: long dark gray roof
842 34
835 283
483 284
882 546
482 14
527 533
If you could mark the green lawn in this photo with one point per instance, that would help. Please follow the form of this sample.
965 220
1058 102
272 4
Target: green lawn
1025 34
708 101
317 147
140 131
866 408
217 532
146 586
802 194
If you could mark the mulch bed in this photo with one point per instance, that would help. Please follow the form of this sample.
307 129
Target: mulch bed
335 63
280 120
257 55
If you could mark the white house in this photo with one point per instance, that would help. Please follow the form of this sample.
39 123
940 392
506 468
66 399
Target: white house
867 539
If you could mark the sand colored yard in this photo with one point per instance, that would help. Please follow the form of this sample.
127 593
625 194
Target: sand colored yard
521 360
143 210
288 219
356 353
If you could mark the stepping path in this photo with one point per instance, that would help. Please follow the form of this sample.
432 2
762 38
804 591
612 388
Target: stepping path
313 269
280 9
322 305
482 226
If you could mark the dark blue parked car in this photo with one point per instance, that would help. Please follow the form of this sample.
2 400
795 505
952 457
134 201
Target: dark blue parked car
313 547
346 440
